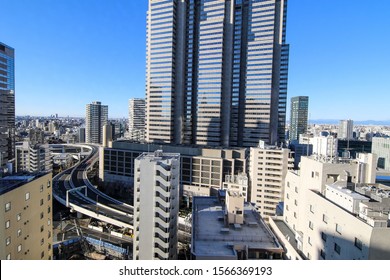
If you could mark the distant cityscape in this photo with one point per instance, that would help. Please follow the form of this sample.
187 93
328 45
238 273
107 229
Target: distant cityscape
210 165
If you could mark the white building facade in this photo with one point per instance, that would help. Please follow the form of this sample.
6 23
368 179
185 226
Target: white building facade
156 206
329 215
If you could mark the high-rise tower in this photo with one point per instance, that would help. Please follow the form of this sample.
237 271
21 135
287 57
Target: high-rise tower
7 103
216 72
345 130
137 119
298 117
96 117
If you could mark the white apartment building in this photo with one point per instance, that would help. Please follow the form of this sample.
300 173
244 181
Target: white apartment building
156 206
324 147
331 211
268 166
237 183
32 159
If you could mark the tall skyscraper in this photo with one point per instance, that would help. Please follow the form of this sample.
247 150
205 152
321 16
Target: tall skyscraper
137 119
345 130
7 103
298 117
96 117
216 72
156 205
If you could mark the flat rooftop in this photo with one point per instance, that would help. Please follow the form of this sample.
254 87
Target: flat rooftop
12 182
212 238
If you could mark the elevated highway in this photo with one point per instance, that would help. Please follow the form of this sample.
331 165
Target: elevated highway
73 189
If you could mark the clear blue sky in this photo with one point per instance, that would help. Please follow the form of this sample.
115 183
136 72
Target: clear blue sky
72 52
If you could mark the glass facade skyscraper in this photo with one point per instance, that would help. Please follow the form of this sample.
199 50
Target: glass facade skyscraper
7 103
298 118
96 117
216 72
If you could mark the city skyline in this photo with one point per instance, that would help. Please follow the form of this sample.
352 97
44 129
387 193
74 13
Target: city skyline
71 42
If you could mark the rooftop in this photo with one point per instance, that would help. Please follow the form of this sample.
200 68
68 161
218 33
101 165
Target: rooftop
12 182
213 238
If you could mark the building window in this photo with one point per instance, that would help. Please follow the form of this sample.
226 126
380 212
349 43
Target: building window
324 236
286 207
358 243
7 206
296 202
48 184
42 228
288 196
41 188
48 222
309 240
19 232
8 257
27 196
18 217
338 228
322 254
311 225
8 240
19 247
296 189
49 247
311 208
324 218
42 241
42 255
41 202
295 215
7 224
48 209
41 215
48 197
337 248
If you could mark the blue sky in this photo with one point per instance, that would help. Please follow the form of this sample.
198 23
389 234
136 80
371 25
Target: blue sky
72 52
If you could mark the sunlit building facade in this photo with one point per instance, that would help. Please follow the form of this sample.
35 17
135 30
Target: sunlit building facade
216 72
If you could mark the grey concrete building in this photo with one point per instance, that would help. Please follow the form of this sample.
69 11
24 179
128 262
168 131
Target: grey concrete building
345 130
381 147
95 118
216 72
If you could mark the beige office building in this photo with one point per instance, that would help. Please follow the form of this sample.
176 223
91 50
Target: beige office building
26 217
268 166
